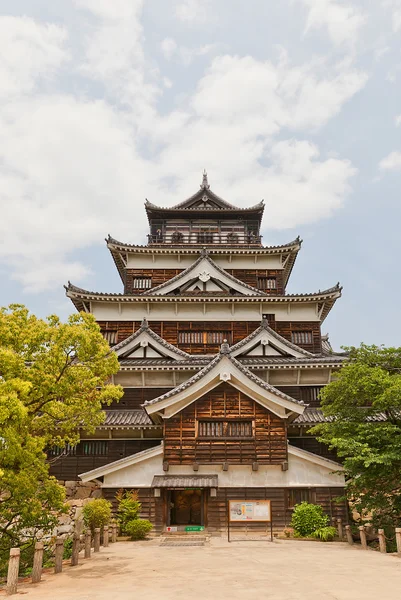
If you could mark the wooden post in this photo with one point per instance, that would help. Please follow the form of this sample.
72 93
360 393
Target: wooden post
105 536
398 538
75 550
382 541
348 533
13 571
37 563
88 544
96 541
340 529
362 534
58 555
114 533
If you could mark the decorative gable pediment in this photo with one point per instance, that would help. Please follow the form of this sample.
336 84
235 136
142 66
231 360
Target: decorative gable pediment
225 368
204 275
264 341
145 343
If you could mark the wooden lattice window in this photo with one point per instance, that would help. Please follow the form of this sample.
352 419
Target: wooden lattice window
205 237
225 429
310 395
203 337
94 448
142 283
63 451
110 336
302 337
267 283
296 496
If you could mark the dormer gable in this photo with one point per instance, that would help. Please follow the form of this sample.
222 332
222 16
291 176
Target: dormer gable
264 341
145 343
204 276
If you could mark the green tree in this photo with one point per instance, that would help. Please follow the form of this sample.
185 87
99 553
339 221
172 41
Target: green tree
54 380
364 403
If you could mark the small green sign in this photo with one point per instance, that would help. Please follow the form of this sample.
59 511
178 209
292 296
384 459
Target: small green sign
194 528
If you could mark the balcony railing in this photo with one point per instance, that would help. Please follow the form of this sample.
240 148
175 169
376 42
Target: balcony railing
206 239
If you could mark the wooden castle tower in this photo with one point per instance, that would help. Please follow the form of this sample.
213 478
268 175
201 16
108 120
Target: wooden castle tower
221 370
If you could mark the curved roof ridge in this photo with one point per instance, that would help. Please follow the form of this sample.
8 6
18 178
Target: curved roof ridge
264 326
145 327
203 256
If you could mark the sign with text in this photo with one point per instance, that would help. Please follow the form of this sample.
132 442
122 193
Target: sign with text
249 511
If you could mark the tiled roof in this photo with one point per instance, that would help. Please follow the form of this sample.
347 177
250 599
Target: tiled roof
204 256
185 481
126 418
312 416
225 351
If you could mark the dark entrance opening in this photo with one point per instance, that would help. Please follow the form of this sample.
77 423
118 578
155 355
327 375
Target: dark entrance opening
186 507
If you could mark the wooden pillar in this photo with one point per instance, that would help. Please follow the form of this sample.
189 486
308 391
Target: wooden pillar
382 541
340 529
105 536
37 563
114 533
348 534
362 534
398 538
88 544
75 550
13 571
58 555
96 540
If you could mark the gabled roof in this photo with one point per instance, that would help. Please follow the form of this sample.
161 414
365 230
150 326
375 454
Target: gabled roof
144 337
267 337
204 200
204 269
225 368
132 459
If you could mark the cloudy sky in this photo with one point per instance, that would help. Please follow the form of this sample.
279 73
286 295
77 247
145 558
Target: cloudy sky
104 103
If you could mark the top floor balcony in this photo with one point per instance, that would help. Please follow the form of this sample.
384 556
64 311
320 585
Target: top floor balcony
205 238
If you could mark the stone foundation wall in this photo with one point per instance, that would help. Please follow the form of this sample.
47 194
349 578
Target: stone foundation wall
77 495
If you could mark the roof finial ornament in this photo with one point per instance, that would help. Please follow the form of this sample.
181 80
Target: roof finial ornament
265 322
205 183
225 348
144 324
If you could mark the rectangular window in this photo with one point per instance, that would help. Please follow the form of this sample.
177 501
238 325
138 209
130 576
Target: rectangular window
142 283
310 395
66 450
203 337
110 336
225 429
302 337
205 238
94 448
267 283
296 496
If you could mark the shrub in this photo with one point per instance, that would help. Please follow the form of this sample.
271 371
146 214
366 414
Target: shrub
128 508
326 534
308 518
97 513
138 529
67 552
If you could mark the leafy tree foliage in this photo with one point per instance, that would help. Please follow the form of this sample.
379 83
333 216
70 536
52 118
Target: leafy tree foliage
364 403
97 513
54 379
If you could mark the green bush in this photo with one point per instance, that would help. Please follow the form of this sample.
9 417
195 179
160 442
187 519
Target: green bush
308 518
138 529
67 552
326 534
97 513
128 508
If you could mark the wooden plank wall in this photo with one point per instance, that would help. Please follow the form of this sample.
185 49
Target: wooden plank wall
182 446
69 467
237 330
250 277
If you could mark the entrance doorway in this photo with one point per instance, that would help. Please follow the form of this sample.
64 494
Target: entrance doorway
186 507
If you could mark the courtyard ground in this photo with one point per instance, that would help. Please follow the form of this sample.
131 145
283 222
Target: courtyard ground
283 570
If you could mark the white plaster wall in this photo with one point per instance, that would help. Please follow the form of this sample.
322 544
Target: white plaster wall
301 473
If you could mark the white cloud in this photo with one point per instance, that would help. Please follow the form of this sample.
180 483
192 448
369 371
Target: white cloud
191 11
391 162
73 168
30 53
342 21
398 120
395 10
168 48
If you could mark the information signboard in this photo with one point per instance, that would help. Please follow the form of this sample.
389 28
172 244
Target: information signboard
254 511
